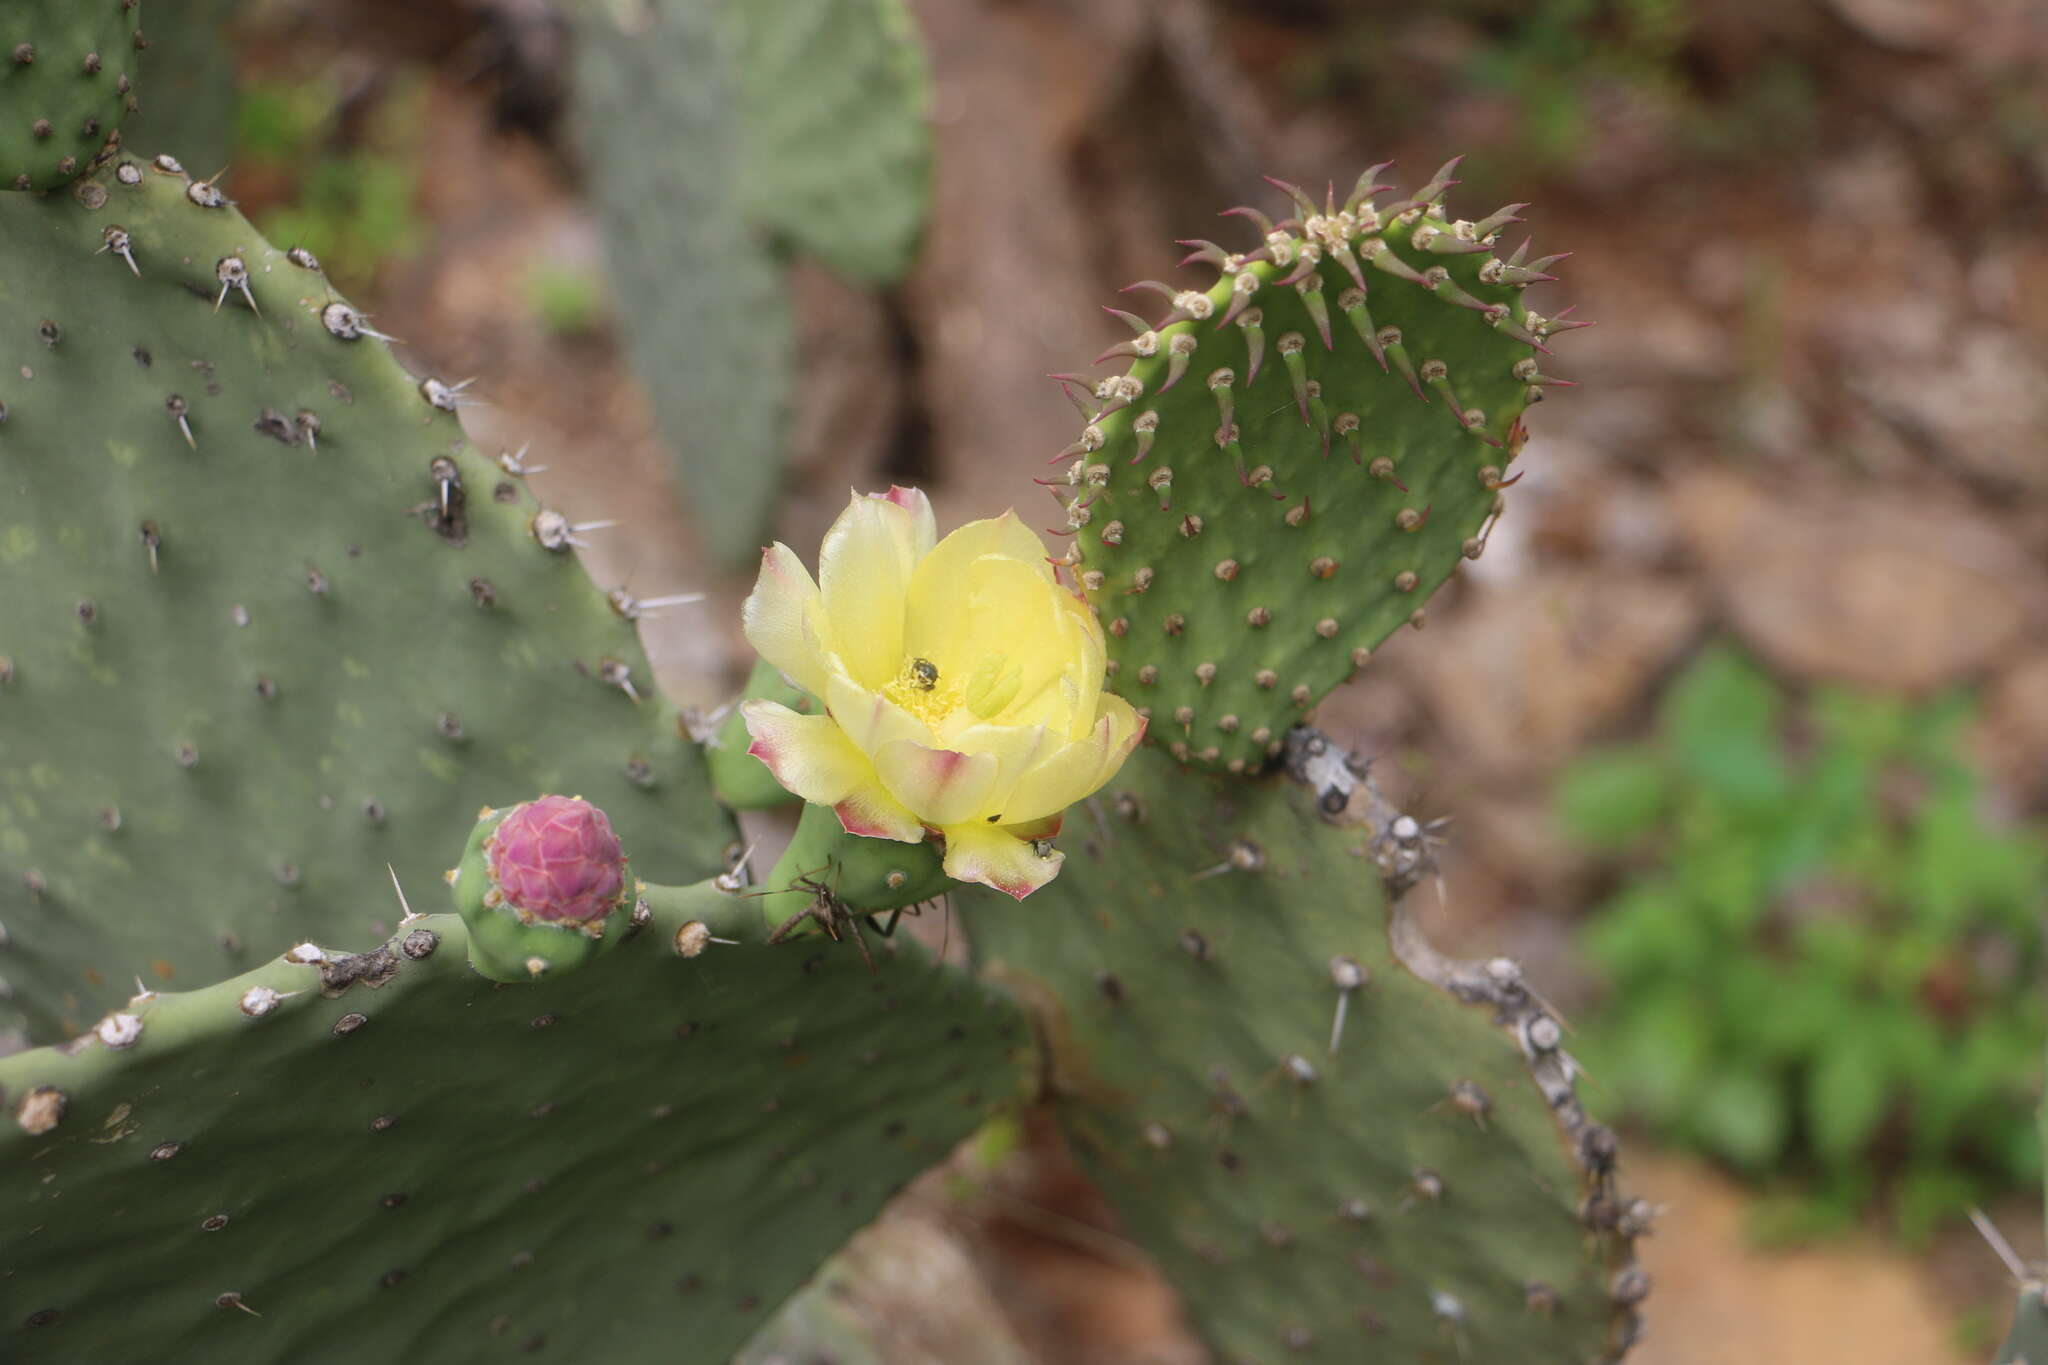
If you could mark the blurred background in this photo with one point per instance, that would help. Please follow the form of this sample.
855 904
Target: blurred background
1743 719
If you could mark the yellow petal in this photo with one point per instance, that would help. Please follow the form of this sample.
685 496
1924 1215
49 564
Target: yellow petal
924 527
864 570
869 718
782 618
1013 612
1016 749
1078 769
869 809
997 858
810 755
940 786
940 610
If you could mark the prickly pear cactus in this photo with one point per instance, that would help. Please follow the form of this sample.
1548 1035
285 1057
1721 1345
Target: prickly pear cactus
270 623
384 1155
1337 1144
783 129
66 80
1298 456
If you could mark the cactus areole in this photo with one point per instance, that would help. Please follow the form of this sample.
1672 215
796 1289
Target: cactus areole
556 861
542 887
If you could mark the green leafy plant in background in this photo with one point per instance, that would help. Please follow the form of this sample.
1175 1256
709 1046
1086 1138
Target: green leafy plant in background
352 206
1821 957
1559 63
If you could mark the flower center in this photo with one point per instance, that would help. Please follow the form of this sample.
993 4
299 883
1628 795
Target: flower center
932 695
920 689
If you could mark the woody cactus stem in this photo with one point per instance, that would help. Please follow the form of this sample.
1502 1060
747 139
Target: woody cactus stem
1298 455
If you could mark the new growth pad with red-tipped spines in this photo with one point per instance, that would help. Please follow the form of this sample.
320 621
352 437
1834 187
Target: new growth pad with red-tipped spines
1298 456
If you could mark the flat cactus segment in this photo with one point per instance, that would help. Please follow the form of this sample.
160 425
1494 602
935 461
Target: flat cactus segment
702 301
189 99
386 1156
1404 1194
1295 459
67 73
270 624
838 148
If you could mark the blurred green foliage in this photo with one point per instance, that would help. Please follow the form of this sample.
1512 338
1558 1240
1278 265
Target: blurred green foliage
1824 964
567 300
347 199
1560 64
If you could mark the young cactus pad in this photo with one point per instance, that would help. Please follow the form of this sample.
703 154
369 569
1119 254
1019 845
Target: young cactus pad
387 1157
270 624
1424 1188
67 71
1297 457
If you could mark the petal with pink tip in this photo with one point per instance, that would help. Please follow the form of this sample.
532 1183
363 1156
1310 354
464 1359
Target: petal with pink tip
940 786
870 810
810 755
924 527
783 618
994 857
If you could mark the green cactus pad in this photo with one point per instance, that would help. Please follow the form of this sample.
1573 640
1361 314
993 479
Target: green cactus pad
388 1157
269 623
67 70
741 780
827 874
702 300
1409 1196
833 117
1296 459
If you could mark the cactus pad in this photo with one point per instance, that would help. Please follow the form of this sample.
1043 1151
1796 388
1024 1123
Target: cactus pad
270 624
833 118
385 1156
67 70
1297 457
1408 1195
702 300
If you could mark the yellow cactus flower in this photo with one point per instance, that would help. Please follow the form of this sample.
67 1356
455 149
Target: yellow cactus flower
962 687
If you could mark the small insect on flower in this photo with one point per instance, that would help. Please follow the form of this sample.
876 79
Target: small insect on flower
961 686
